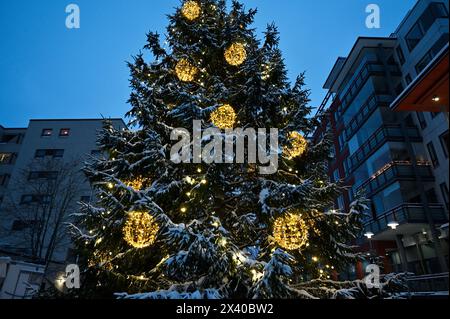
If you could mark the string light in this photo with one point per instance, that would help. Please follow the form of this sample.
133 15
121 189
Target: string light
298 145
191 10
224 117
140 230
183 210
235 54
291 232
186 71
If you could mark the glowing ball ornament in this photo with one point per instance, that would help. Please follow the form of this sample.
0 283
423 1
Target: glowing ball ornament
186 71
236 54
140 230
224 117
191 10
298 145
291 232
136 184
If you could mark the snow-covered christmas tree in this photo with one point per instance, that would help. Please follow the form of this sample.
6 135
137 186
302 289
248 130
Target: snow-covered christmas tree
163 229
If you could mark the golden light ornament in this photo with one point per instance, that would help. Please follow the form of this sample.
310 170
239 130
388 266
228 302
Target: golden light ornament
136 183
186 71
140 230
291 232
191 10
298 145
224 117
236 54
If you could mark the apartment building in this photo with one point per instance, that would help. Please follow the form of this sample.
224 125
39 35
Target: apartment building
40 177
398 158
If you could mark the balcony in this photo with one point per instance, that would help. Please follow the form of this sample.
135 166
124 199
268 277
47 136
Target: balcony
368 70
387 133
373 102
395 171
406 214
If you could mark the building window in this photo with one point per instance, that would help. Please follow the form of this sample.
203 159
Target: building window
49 153
336 176
431 196
400 55
342 141
408 79
35 199
434 11
422 120
414 36
433 155
43 175
423 63
444 191
47 132
4 179
434 114
64 132
5 158
444 143
19 225
340 202
85 199
96 153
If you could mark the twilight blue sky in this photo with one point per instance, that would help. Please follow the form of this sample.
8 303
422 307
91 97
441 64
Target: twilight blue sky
48 71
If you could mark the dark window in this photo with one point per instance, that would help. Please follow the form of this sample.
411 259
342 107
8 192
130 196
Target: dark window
431 196
1 199
35 199
6 158
414 36
4 179
86 199
64 132
422 121
434 11
434 114
409 120
444 191
400 55
433 155
437 47
408 79
49 153
444 142
19 225
399 89
96 153
43 175
47 132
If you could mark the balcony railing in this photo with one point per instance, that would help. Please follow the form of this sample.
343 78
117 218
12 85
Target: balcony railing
369 69
382 135
396 171
373 102
407 213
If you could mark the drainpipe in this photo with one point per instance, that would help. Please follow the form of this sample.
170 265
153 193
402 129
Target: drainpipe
419 183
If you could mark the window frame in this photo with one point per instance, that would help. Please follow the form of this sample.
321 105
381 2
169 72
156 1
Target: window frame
445 195
432 152
444 145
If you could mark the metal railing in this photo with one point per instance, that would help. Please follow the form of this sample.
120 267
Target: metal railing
381 136
406 213
397 170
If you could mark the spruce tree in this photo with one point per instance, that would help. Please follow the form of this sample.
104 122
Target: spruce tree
163 229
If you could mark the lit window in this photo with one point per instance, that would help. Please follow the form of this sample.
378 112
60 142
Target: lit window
64 132
6 158
47 132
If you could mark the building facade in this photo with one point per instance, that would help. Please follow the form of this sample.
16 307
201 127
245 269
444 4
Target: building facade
41 184
397 159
